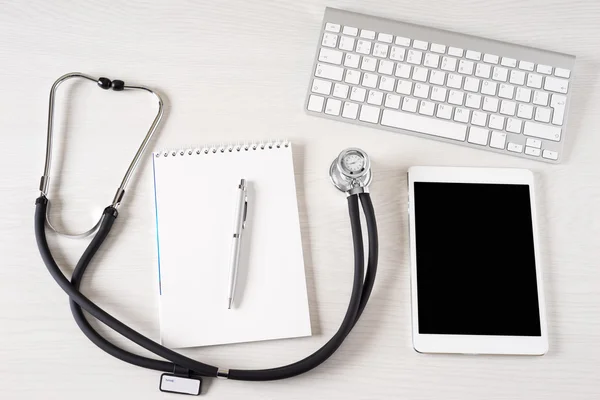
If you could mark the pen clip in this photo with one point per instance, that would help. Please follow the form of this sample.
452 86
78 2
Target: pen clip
245 212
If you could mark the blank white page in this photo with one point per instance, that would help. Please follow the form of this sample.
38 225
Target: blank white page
195 199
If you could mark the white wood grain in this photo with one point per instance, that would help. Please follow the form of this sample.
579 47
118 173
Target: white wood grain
238 70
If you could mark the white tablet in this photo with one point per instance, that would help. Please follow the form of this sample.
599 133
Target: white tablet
476 278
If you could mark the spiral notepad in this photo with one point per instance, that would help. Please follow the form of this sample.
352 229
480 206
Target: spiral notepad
195 195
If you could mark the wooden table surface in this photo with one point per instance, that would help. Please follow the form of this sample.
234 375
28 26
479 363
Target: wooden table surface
237 71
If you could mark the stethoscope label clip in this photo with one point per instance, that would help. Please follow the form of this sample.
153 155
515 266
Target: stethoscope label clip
172 383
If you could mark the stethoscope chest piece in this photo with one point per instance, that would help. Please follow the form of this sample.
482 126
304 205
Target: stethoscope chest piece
350 172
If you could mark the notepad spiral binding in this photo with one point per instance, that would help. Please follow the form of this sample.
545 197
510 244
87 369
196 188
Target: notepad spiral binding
222 148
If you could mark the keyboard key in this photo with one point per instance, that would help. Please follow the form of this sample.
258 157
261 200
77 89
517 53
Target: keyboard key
404 87
315 103
340 90
397 53
321 87
380 50
500 74
351 60
465 67
558 104
496 122
346 43
517 77
507 107
483 70
421 91
369 114
526 65
349 30
479 118
516 148
478 136
490 58
420 74
370 80
421 45
350 110
542 131
471 84
531 151
329 72
551 155
534 143
352 77
332 27
333 107
448 64
358 94
438 94
513 125
525 111
556 85
455 51
431 60
426 125
368 64
403 70
490 104
542 114
363 47
562 72
462 115
498 140
506 91
329 40
402 41
454 81
540 98
523 94
414 57
386 67
367 34
473 101
489 88
444 111
438 48
456 97
330 56
437 77
392 101
534 81
473 55
426 108
385 37
387 83
544 69
508 62
375 97
409 104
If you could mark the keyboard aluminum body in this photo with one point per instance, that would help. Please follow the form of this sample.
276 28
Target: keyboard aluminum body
442 85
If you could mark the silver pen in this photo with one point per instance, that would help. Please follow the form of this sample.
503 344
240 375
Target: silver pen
238 229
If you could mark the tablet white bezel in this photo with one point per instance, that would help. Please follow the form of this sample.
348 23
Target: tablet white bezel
475 344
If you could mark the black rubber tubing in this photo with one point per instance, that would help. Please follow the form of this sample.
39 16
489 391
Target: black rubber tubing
358 302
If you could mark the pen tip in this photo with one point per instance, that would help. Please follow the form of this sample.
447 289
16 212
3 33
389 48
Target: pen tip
230 303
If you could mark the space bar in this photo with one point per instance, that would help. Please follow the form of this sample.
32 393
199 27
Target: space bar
430 126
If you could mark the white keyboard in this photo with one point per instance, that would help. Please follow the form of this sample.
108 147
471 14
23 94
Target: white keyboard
443 85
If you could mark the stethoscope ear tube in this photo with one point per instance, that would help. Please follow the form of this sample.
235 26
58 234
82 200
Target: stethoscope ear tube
361 291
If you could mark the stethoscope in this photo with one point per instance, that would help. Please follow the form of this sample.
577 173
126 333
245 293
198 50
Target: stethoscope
350 172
